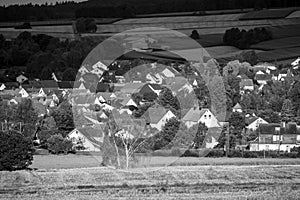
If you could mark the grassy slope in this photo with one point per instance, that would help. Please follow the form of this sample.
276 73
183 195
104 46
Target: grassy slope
218 182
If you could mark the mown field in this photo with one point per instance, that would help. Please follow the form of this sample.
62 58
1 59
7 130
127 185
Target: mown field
94 160
193 182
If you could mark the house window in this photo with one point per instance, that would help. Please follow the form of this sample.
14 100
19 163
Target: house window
205 116
209 116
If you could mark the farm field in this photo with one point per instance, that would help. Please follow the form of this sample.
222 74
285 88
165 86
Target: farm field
279 54
295 14
268 14
181 19
193 182
278 43
83 161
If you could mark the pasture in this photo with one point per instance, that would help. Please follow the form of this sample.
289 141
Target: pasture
180 182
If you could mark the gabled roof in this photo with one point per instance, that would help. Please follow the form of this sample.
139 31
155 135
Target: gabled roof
154 114
194 114
48 84
131 88
84 99
65 84
246 82
237 106
251 119
263 77
91 133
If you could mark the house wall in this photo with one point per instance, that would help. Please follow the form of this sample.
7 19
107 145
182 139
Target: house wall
209 120
275 147
75 135
254 125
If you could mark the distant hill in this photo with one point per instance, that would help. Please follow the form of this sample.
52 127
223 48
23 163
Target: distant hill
128 8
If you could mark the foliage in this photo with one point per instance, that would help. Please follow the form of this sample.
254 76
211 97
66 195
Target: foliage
244 39
57 144
167 100
195 35
16 151
86 25
164 138
269 115
63 117
287 111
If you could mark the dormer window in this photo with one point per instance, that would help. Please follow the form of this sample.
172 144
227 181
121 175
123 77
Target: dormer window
209 116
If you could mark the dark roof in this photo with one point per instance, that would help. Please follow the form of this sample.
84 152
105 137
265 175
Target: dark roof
65 84
194 114
154 114
290 129
246 82
91 133
11 85
263 77
250 120
49 84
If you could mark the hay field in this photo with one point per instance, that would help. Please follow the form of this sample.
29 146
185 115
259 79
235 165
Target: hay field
193 182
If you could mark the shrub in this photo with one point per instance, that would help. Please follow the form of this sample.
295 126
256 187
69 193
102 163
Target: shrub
215 153
191 153
57 144
86 25
16 151
244 39
195 35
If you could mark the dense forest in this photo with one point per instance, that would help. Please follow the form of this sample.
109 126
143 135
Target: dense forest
128 8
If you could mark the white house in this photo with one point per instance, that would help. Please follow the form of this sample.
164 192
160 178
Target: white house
195 115
157 117
237 108
253 122
296 63
274 137
24 93
83 70
91 138
2 87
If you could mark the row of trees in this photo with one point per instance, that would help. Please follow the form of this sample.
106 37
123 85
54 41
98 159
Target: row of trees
128 8
243 39
41 55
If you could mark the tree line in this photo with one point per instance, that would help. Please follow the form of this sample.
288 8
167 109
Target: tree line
119 8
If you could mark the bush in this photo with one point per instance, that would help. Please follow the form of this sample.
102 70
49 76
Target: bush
216 153
57 144
244 39
191 153
16 151
86 25
195 35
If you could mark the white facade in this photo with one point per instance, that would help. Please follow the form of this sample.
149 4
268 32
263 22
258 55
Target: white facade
254 125
23 93
207 118
272 147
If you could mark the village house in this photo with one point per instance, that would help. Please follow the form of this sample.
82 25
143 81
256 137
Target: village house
156 117
90 138
237 108
253 122
262 78
196 115
276 137
246 83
